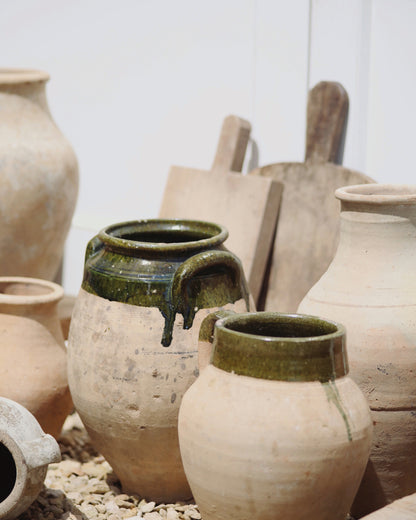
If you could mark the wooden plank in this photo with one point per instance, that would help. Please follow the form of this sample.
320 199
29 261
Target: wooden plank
246 205
307 233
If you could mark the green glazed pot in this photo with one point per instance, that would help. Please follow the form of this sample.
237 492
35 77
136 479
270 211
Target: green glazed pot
133 341
274 427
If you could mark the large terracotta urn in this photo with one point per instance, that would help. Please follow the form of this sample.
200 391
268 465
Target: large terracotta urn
370 287
38 177
32 351
133 341
274 427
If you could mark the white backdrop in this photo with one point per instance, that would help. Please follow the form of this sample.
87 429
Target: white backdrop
138 85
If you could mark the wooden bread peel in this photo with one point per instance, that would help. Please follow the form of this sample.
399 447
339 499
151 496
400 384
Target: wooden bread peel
307 232
246 205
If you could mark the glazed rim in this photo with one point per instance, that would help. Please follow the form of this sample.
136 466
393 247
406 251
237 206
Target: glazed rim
51 291
287 347
211 234
14 76
378 193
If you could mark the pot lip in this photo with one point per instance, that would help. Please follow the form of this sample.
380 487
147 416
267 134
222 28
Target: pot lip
108 235
316 355
378 194
12 76
280 316
55 294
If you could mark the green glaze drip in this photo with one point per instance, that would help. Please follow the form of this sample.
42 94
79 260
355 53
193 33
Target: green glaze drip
175 276
333 396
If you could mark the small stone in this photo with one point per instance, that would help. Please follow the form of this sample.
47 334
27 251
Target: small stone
147 507
172 514
152 516
75 497
112 507
113 516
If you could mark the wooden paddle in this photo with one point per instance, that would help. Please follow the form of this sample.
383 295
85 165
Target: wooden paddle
307 232
246 205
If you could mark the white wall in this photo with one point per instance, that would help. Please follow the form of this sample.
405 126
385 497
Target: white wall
138 85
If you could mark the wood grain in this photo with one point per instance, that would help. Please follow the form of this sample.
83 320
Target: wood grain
246 205
307 231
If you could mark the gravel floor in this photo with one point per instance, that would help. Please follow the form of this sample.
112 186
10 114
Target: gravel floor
83 486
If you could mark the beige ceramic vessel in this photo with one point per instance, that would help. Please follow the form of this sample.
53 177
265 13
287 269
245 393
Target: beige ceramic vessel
133 341
38 175
25 452
274 427
32 350
370 287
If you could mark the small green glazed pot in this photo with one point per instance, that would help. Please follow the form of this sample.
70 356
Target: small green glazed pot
273 427
178 266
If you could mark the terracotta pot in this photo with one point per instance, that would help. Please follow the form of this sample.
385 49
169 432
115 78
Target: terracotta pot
25 452
274 427
32 350
371 288
39 178
133 341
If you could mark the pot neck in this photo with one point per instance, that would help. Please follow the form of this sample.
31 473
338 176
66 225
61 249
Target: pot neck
29 84
385 228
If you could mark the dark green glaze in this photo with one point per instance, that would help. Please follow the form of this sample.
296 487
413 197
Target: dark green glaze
284 347
178 266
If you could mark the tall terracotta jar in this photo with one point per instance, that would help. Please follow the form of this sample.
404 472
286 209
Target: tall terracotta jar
133 341
371 288
38 176
274 427
32 351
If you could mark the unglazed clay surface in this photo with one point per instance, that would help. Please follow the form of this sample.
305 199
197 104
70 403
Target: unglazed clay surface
370 287
39 177
25 452
127 388
261 449
32 354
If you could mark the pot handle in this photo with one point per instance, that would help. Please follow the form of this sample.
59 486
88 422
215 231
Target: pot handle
180 301
206 336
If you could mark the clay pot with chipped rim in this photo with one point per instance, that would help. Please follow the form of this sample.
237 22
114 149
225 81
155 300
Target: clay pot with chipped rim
274 427
38 175
133 341
371 287
33 370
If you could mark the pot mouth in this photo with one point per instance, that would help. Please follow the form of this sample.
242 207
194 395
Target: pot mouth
378 194
19 290
285 347
163 235
16 76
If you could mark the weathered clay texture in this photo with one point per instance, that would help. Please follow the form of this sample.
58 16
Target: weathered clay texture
402 509
25 452
32 350
370 287
256 449
127 389
39 178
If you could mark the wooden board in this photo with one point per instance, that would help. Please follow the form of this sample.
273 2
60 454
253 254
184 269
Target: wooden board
246 205
307 232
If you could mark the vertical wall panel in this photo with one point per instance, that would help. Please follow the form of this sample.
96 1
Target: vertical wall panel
392 100
340 51
280 89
